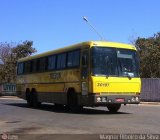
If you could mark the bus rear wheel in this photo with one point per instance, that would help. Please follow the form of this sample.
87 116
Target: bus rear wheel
28 98
34 99
113 108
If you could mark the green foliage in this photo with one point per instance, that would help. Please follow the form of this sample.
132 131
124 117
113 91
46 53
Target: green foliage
149 53
9 54
24 49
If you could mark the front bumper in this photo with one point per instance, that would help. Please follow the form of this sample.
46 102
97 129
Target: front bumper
103 100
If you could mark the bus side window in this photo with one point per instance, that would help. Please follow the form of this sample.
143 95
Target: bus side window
42 64
20 69
73 59
61 61
51 65
27 68
34 65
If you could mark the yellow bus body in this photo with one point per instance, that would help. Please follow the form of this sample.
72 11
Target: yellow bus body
54 86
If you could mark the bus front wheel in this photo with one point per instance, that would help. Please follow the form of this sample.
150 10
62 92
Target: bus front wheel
113 108
73 102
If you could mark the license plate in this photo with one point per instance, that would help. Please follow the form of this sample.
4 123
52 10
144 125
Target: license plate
120 100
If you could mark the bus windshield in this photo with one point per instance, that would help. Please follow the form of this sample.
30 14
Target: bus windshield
114 62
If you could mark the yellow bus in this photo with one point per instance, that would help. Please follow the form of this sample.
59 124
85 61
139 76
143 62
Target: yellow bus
93 73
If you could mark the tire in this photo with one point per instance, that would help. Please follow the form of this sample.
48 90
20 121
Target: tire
73 102
34 99
113 108
28 98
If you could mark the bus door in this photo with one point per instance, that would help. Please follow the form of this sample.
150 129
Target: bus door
85 71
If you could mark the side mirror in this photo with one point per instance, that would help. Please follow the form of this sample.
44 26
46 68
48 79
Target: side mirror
130 75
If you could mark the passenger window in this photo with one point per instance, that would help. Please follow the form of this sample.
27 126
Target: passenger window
42 64
34 65
27 67
61 61
20 68
73 59
51 62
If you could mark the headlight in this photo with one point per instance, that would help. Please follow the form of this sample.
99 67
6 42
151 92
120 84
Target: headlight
98 99
133 99
137 99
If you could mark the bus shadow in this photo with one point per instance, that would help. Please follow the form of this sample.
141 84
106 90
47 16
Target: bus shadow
53 108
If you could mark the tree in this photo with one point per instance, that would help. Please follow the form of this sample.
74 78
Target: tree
9 54
23 50
5 50
149 53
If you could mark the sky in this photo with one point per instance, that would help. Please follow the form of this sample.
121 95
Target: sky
53 24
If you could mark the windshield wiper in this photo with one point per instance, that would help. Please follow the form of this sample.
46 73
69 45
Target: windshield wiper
100 75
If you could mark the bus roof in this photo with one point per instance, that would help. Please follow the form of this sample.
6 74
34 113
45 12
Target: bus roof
80 45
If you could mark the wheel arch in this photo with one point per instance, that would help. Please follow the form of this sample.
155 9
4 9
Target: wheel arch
69 90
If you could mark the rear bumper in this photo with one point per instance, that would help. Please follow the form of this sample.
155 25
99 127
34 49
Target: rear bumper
103 100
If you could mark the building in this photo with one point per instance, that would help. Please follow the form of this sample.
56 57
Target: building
7 89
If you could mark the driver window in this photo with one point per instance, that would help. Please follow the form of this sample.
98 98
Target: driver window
84 64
